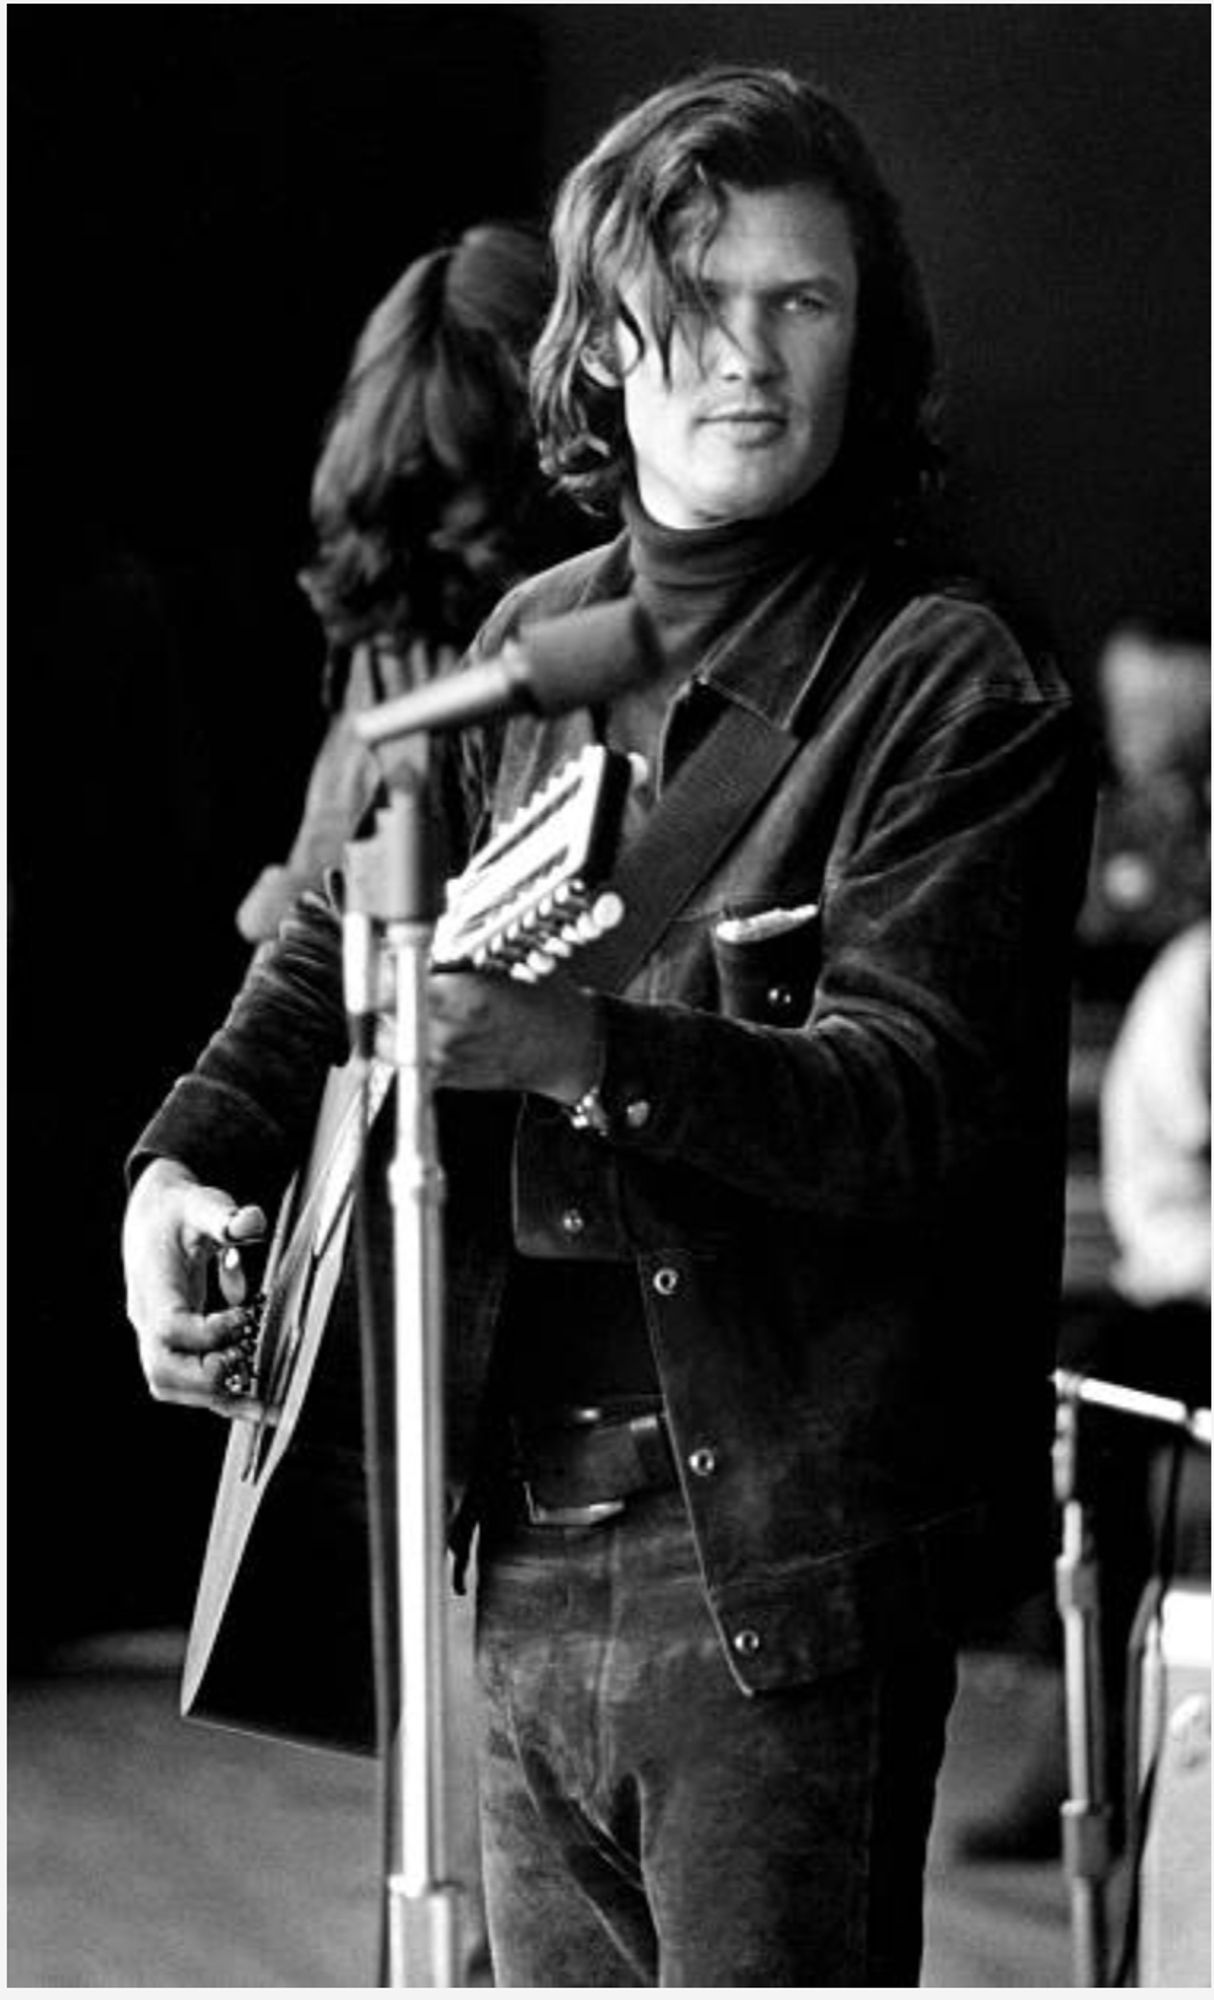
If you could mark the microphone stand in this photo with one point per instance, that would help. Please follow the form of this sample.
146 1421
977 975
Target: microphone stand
1086 1842
421 1898
1087 1847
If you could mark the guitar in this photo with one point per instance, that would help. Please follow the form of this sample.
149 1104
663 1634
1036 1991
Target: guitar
280 1640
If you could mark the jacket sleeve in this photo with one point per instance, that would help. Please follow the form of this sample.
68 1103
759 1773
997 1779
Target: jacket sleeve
242 1116
938 1027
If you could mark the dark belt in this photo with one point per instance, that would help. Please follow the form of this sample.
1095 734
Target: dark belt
575 1467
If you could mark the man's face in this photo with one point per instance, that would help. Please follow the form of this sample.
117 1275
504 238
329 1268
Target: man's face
753 410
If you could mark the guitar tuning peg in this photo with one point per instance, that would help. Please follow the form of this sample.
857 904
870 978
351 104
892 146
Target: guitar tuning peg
606 911
603 915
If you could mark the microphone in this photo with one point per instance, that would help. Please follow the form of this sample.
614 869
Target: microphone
556 664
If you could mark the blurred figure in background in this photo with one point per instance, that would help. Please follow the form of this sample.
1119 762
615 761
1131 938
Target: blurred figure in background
1155 1181
1137 1305
1148 911
427 503
1151 862
1156 1148
1155 1136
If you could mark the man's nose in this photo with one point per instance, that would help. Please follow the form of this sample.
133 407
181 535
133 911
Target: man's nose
747 349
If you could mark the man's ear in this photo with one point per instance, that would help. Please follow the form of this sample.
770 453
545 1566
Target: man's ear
601 357
600 362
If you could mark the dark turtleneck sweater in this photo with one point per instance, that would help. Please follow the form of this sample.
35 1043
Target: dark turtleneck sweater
574 1331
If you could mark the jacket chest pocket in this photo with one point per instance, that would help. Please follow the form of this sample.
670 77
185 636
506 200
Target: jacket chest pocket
767 964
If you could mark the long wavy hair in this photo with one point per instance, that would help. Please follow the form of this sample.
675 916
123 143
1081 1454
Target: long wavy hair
427 498
643 208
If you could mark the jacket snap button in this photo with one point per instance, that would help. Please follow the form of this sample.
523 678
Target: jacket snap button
573 1222
666 1281
636 1113
703 1461
746 1641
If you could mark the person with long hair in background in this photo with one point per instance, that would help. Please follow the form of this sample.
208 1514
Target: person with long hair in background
428 503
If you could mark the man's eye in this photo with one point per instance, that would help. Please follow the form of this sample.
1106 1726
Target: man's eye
805 304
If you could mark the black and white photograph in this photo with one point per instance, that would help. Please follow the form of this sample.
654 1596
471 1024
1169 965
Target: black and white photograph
609 996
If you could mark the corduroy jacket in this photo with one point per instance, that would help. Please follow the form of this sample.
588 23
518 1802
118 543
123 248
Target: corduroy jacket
836 1154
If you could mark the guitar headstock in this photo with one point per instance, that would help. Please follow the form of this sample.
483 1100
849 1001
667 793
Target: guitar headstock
535 892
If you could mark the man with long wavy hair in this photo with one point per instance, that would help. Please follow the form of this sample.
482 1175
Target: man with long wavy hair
758 1256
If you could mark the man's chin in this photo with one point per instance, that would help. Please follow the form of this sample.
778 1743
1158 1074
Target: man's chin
746 500
742 494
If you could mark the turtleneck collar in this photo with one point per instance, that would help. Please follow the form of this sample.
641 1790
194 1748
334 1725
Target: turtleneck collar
709 559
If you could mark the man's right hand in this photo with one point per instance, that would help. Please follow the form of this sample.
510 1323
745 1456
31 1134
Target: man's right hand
174 1229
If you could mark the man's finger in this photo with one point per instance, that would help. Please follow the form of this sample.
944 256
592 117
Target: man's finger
212 1219
217 1219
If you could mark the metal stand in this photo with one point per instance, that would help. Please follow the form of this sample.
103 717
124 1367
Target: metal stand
422 1900
1086 1846
1087 1855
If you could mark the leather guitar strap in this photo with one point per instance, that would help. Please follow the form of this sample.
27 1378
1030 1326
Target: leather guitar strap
719 789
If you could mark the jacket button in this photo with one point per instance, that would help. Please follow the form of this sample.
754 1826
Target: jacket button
666 1281
636 1113
573 1222
747 1642
703 1461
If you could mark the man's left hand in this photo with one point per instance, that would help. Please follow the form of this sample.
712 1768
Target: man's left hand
489 1032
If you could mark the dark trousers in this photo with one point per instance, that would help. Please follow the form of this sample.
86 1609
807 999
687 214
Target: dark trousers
645 1822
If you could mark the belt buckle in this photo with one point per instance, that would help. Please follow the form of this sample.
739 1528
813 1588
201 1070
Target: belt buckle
588 1516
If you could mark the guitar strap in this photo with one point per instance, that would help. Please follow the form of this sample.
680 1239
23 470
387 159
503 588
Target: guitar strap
720 788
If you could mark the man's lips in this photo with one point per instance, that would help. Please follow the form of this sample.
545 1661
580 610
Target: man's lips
745 413
745 423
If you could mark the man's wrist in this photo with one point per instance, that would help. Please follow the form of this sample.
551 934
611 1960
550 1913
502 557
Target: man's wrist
153 1171
590 1114
585 1076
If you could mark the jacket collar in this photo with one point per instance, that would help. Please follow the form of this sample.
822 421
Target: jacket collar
763 664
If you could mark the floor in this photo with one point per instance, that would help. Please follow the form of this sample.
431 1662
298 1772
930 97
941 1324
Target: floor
144 1851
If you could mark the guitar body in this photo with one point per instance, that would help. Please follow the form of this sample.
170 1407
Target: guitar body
280 1642
289 1527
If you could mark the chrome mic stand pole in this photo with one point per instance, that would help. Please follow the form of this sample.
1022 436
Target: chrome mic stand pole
1086 1843
422 1901
1086 1839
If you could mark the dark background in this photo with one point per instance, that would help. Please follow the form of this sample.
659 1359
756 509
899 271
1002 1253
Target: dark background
206 202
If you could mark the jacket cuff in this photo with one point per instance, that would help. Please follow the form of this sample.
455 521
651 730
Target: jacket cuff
220 1135
638 1070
